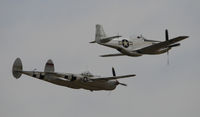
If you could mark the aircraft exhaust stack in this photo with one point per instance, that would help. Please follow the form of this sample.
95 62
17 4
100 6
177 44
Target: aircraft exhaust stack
17 68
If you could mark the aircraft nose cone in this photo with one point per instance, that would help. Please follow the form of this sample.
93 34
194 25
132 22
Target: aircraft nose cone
117 82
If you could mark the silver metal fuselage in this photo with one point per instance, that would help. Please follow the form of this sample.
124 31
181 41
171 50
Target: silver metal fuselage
129 46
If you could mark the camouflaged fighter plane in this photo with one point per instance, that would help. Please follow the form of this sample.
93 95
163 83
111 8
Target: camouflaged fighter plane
76 81
137 46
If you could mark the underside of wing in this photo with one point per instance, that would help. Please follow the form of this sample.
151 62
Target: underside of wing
114 77
110 55
158 46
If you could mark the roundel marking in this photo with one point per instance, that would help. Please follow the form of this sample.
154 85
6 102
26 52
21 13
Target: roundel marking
125 43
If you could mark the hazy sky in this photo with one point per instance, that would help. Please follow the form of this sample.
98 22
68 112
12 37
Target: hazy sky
38 30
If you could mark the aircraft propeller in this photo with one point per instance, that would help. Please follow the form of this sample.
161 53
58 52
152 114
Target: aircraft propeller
167 39
113 71
166 35
117 82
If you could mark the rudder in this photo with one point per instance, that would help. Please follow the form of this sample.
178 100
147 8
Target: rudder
17 68
49 66
99 33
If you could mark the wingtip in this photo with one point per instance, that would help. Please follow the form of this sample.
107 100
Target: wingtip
186 36
92 42
134 74
102 55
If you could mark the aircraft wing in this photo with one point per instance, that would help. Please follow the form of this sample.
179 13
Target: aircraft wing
110 55
113 78
62 75
161 45
53 73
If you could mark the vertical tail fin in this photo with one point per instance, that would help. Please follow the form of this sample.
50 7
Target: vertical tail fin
17 68
99 33
49 67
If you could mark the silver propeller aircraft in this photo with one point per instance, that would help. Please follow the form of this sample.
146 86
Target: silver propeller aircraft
76 81
137 46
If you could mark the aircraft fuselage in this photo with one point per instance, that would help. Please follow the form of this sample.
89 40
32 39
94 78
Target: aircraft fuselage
130 46
76 81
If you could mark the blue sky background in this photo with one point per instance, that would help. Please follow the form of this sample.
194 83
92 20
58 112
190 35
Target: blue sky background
36 30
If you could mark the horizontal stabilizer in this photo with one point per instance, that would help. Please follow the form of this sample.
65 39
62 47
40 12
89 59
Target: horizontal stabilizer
93 42
107 39
110 55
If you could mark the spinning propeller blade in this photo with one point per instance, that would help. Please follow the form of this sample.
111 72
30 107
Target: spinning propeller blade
122 84
166 35
117 82
167 57
113 71
167 39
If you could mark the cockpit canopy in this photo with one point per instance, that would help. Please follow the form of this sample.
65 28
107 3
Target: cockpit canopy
140 37
87 74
